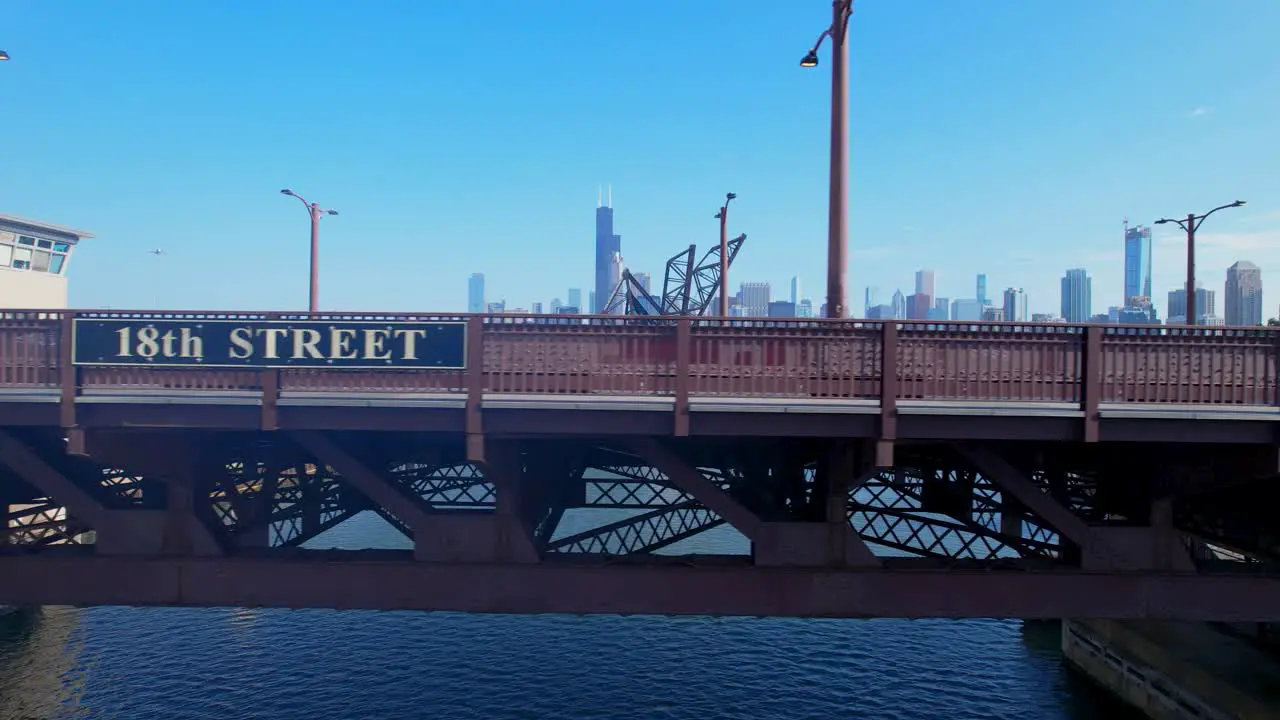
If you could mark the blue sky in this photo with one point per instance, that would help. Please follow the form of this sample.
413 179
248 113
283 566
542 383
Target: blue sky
456 136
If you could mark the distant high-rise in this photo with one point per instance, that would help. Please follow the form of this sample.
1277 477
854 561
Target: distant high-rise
645 281
1244 294
475 293
983 300
1137 262
924 283
754 299
871 299
1077 296
899 305
966 310
1015 305
1206 310
795 290
607 245
536 308
615 279
591 302
575 297
805 308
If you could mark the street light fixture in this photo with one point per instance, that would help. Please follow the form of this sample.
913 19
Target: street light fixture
838 203
316 212
723 217
1190 224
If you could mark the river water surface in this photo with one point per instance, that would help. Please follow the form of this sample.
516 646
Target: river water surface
187 664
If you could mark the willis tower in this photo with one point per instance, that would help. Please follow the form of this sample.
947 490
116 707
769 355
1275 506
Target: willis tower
607 244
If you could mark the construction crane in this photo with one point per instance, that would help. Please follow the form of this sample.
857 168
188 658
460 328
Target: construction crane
687 289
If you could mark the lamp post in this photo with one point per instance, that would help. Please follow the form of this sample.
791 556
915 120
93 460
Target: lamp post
838 203
723 217
316 212
1190 224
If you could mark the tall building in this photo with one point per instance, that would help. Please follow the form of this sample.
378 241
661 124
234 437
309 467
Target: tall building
966 310
1206 307
805 308
607 245
575 297
899 305
536 308
1077 296
753 299
645 281
1244 294
982 298
871 298
781 309
475 293
591 302
34 257
941 309
1137 262
924 283
795 290
1015 305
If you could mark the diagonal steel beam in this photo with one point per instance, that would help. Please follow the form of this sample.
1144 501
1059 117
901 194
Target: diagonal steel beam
693 482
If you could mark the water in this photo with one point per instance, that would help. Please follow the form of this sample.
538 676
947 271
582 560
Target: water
187 664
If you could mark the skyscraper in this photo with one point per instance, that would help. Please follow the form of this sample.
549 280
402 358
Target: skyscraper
1077 296
871 299
607 244
1137 262
615 279
645 280
575 298
1015 305
924 283
754 299
983 301
1244 294
795 290
475 293
1206 310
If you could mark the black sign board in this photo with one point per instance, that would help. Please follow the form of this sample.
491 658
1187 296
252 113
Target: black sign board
264 344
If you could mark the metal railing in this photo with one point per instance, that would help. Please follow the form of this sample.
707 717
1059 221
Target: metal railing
700 357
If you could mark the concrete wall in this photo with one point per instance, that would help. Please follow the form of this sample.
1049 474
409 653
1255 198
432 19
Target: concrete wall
1175 671
30 290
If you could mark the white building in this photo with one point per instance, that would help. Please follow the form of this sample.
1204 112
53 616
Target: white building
34 258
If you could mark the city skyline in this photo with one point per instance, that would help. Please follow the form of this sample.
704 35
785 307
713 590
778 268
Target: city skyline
754 298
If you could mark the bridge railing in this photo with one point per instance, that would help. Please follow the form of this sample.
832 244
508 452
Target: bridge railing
770 358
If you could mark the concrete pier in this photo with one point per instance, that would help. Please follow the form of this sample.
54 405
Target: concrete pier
1176 670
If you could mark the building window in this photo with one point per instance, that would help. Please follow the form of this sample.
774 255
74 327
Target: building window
23 252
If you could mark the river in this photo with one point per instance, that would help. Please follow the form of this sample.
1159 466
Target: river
229 664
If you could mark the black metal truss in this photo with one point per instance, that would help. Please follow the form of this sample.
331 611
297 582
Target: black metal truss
931 507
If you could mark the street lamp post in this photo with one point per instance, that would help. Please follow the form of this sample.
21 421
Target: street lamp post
838 203
723 217
316 212
1190 224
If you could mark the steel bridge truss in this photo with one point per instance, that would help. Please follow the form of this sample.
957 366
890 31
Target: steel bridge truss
687 287
596 500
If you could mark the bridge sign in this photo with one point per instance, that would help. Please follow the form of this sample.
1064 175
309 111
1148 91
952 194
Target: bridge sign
271 343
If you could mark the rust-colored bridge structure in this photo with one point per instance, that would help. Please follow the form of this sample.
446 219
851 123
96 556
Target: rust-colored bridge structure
847 468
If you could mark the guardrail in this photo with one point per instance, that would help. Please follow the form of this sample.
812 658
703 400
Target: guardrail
684 357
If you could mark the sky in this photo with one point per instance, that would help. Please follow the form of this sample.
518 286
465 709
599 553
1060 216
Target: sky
1002 136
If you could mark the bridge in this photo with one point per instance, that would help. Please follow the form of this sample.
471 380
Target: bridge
893 469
